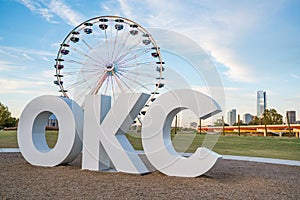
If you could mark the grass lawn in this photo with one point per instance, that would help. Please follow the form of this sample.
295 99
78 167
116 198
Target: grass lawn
269 147
8 139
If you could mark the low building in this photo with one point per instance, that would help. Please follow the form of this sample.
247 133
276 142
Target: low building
248 118
52 121
193 125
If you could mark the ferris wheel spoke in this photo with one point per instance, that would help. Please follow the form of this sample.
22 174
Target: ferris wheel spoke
75 72
107 46
136 63
110 40
114 46
76 84
134 56
119 80
90 48
99 83
112 88
135 42
79 71
91 42
106 87
145 63
119 84
81 64
123 44
86 74
73 61
133 81
94 35
86 55
128 50
137 73
83 81
81 94
138 76
83 46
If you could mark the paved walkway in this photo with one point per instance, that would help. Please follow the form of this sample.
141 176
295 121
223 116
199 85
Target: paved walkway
225 157
263 160
9 150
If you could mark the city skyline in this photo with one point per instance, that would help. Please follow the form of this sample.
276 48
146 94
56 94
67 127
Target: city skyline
261 106
253 44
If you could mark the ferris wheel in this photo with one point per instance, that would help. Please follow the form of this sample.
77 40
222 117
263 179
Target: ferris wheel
108 55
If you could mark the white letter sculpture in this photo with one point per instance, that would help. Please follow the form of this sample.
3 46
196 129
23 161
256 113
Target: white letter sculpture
104 130
31 131
156 138
104 133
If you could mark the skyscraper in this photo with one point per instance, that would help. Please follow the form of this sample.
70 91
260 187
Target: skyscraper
261 102
232 117
291 115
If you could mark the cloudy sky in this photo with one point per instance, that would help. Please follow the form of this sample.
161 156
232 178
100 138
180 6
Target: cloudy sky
254 44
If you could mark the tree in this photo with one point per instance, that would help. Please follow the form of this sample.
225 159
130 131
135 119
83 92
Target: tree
256 121
241 124
219 122
270 117
6 120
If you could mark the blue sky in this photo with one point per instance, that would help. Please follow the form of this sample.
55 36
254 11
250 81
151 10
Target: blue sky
254 44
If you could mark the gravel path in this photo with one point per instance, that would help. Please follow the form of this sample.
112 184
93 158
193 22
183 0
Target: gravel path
227 180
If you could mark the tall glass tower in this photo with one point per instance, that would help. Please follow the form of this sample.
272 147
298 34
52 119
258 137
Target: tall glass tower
232 117
291 115
261 102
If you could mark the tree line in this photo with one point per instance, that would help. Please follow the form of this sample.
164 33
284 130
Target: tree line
269 117
6 120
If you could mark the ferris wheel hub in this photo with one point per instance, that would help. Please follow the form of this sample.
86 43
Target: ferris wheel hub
109 66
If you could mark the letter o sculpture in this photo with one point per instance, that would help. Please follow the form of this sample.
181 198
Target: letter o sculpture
31 131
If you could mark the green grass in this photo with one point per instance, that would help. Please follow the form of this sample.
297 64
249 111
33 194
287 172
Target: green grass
8 139
269 147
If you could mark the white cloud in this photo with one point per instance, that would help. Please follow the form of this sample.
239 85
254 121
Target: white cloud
17 92
62 10
125 7
56 44
295 76
32 83
46 14
17 86
215 25
235 69
9 66
16 52
232 89
106 8
45 58
51 8
27 56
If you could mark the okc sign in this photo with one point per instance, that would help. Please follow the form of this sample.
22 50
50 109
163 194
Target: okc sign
99 133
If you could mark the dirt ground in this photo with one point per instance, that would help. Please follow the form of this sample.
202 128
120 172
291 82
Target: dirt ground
227 180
